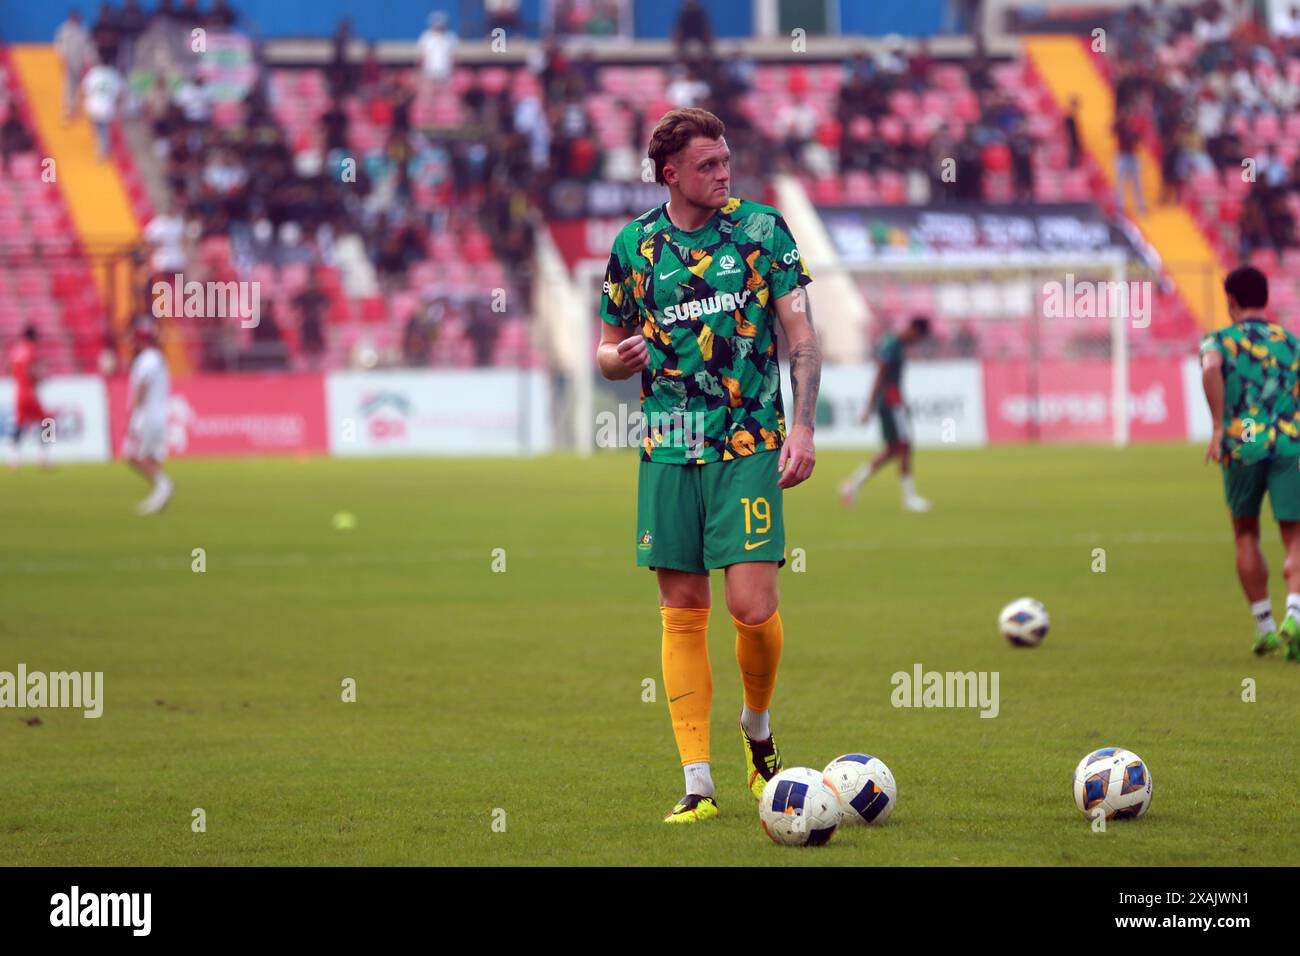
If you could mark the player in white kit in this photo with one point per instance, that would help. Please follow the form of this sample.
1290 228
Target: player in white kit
145 447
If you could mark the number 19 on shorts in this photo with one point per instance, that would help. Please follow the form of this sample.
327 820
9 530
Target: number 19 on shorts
757 508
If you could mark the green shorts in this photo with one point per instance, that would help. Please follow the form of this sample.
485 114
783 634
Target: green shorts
895 424
699 517
1244 487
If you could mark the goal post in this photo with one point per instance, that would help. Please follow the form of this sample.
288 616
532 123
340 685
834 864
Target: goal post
1005 304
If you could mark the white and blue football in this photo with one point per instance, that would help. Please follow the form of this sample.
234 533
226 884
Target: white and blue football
1024 622
866 788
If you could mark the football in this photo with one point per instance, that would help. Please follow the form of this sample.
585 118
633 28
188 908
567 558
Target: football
1117 780
866 788
800 807
1024 622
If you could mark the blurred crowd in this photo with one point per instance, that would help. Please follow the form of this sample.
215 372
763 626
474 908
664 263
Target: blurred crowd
246 175
1191 80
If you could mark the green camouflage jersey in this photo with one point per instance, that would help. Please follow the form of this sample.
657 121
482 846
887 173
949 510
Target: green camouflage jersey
1261 390
705 302
889 353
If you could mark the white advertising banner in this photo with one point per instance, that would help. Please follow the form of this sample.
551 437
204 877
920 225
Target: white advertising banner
78 407
946 399
1199 426
464 412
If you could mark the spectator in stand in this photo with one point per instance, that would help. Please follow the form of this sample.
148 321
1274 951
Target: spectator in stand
586 75
165 235
891 62
164 14
996 164
965 344
1269 170
417 340
437 47
105 34
371 75
399 245
224 196
402 98
267 350
334 126
502 15
1281 221
77 52
474 98
14 136
189 16
101 91
1213 24
692 30
1253 225
919 65
1022 166
530 120
979 76
1286 24
968 186
1173 167
131 22
796 122
482 326
554 71
684 90
1127 167
1072 132
193 100
221 17
860 68
339 74
312 304
736 73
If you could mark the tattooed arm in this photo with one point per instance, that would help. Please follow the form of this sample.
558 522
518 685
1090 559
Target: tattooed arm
798 455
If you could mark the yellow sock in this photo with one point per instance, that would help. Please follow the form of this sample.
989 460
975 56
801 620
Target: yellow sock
758 651
688 682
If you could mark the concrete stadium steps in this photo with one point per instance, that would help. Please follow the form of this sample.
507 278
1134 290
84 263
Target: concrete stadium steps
101 204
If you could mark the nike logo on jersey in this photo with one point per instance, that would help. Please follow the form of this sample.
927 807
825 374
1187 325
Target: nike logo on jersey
756 544
668 275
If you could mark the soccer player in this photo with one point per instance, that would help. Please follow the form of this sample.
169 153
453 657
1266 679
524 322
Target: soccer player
693 293
1251 374
28 410
145 448
886 399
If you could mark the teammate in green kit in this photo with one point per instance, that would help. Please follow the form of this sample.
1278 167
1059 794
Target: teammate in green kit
1251 374
886 400
693 294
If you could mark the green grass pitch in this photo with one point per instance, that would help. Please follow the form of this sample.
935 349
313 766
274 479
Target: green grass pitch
521 691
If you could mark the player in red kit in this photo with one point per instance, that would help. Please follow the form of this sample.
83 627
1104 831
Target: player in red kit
28 410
